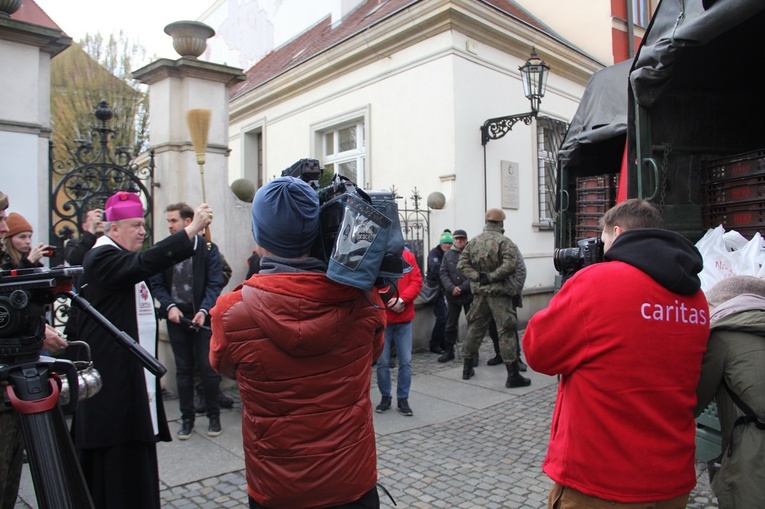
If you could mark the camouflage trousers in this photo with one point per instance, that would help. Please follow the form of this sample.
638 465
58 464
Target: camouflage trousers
11 457
482 310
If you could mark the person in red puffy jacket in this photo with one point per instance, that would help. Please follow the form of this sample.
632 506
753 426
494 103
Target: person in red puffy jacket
301 348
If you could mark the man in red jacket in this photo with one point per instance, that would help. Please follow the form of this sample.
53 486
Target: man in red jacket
627 337
301 348
399 315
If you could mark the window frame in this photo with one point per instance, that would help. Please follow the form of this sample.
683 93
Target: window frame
360 154
546 171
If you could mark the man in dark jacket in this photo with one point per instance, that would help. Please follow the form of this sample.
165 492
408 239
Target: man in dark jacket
433 279
186 293
301 347
116 431
457 291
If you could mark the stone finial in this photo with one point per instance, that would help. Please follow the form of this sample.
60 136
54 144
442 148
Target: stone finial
8 7
189 37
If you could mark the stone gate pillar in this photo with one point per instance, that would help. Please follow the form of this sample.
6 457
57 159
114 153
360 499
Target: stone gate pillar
175 87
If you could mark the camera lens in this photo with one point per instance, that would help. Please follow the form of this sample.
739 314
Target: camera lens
19 299
567 259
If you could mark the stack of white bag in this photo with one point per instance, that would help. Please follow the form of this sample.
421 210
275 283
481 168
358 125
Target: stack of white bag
730 254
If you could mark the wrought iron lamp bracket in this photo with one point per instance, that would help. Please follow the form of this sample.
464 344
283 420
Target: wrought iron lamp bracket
495 128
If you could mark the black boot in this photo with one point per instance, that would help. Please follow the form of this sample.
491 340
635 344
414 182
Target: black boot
467 369
494 361
447 356
521 365
514 378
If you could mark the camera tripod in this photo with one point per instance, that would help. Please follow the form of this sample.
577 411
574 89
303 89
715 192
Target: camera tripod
33 391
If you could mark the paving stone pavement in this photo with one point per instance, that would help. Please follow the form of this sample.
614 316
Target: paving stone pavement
486 459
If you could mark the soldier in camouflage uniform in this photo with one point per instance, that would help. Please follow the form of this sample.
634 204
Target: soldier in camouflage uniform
490 261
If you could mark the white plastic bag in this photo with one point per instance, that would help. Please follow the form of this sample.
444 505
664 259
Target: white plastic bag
751 257
729 254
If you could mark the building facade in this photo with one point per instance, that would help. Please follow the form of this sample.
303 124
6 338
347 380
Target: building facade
393 95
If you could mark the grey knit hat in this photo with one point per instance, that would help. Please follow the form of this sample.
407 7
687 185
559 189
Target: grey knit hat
734 286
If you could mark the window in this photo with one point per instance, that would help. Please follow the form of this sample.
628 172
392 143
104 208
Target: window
344 152
253 157
341 145
641 12
550 134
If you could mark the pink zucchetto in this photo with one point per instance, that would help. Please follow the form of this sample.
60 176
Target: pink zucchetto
123 205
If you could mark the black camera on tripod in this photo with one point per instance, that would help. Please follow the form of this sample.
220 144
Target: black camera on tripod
24 293
35 388
33 384
569 260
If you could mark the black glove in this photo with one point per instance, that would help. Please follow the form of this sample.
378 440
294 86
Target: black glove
483 278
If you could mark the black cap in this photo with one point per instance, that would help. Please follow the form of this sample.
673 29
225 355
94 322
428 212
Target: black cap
459 233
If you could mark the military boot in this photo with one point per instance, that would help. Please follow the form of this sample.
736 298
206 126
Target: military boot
467 369
447 356
514 377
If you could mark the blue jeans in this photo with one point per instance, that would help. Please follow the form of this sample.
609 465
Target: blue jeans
401 335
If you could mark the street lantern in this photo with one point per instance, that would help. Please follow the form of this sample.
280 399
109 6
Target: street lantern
534 77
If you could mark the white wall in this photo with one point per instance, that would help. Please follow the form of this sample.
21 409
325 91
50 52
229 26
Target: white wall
24 132
585 23
426 104
487 85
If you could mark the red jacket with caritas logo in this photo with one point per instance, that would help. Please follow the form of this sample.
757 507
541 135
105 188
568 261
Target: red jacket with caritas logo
301 348
627 337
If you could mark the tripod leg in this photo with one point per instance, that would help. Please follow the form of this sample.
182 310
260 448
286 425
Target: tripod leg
57 476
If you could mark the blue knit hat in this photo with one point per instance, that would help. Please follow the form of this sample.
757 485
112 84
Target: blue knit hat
285 217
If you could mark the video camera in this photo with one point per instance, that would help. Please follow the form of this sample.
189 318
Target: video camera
569 260
24 293
361 238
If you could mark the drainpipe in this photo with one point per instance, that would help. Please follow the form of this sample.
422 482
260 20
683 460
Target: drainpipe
630 29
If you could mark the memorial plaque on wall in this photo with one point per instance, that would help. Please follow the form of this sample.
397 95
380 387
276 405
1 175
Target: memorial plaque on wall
510 190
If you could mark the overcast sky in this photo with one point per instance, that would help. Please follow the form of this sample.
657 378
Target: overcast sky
142 20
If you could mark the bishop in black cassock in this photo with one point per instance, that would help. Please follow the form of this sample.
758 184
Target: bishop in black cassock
116 431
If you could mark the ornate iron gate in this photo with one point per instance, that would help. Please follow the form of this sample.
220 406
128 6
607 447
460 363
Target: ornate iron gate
86 179
415 225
